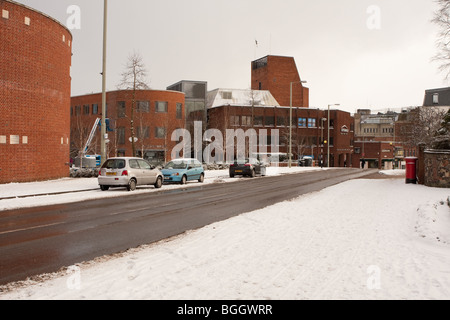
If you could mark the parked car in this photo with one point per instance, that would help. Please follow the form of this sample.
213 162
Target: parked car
128 172
247 167
183 170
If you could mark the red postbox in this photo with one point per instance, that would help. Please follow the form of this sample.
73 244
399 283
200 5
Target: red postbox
411 169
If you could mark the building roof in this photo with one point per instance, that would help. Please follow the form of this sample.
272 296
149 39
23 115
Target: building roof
240 97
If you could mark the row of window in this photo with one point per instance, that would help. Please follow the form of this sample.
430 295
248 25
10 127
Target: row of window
141 106
375 130
141 133
270 121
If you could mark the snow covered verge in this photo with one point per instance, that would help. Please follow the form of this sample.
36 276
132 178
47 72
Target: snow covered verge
362 239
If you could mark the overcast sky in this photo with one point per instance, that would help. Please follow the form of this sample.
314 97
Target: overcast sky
359 53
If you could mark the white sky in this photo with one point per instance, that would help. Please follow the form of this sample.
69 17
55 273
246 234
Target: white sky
343 60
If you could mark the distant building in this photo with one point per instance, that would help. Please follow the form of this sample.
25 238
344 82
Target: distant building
35 61
157 114
275 74
259 110
437 97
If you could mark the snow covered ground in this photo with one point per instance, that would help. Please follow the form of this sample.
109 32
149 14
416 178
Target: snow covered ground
362 239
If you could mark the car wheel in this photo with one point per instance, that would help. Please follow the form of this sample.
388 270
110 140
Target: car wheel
158 183
183 180
131 185
202 178
231 175
104 188
253 174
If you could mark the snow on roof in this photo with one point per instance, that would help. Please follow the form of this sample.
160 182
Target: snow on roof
240 97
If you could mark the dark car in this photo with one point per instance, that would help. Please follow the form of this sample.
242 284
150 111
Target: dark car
247 167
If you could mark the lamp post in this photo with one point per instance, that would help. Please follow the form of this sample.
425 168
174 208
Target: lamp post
321 142
103 126
290 124
328 141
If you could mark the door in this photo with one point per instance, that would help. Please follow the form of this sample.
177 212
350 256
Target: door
149 175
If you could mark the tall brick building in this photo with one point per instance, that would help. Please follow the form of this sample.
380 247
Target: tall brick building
275 74
35 60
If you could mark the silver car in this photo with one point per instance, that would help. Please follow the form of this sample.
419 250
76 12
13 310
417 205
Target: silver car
128 172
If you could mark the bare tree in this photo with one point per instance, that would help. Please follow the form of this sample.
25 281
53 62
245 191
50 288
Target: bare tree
422 125
134 78
442 20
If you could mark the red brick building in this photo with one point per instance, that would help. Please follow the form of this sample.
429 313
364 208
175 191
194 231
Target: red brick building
275 74
156 115
35 60
234 109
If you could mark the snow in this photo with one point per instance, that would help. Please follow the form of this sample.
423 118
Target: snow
362 239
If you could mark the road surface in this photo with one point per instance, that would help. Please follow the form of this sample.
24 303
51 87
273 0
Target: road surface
41 240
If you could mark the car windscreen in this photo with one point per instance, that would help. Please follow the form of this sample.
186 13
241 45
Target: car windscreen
114 164
176 165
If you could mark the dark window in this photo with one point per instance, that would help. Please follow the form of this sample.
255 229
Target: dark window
281 121
121 135
121 111
86 109
143 106
269 121
258 121
95 109
179 111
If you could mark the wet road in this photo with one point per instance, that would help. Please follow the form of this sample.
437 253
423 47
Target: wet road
45 239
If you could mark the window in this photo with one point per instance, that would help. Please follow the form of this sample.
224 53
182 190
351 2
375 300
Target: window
95 109
121 135
234 120
436 98
160 132
143 106
161 106
77 110
269 121
302 122
144 164
86 109
121 109
312 123
258 121
246 120
179 111
227 95
134 164
281 121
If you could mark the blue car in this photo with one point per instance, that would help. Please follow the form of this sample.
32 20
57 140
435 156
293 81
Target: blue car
183 170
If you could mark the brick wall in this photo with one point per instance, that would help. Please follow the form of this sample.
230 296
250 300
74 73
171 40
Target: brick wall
35 60
275 73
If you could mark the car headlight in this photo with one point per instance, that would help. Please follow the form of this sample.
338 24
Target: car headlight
175 174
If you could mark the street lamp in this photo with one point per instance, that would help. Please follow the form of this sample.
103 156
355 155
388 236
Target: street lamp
321 142
328 144
290 125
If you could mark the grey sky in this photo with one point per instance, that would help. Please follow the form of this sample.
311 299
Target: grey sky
359 53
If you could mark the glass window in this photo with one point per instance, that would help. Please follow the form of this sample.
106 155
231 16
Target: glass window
143 106
95 109
258 121
121 135
144 164
234 120
179 111
161 106
134 164
86 109
246 120
269 121
121 109
311 123
160 132
281 121
302 122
